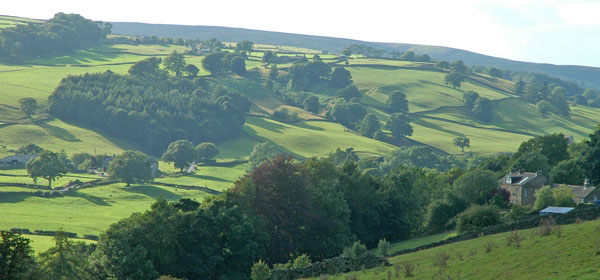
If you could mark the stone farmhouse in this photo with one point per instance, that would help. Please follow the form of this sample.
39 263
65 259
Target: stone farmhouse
17 160
522 186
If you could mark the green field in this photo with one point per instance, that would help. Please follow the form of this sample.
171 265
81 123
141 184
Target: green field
575 255
86 211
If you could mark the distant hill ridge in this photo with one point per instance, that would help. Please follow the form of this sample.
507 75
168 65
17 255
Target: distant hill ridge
583 75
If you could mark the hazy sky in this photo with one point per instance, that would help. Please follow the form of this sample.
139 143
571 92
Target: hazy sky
558 32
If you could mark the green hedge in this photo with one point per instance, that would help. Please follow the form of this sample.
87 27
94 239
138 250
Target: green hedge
331 266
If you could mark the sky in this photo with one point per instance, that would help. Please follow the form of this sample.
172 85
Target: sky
552 31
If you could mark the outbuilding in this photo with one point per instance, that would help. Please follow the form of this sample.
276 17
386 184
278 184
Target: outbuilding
555 210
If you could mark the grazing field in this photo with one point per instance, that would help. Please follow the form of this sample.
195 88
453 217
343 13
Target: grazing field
85 211
416 242
312 138
41 243
574 255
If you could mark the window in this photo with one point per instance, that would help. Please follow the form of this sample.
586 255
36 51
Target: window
525 192
595 198
507 180
581 200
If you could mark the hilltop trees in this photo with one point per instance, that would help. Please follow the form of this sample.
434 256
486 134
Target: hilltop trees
28 106
469 98
399 125
482 109
348 113
238 65
305 74
130 167
214 63
48 166
349 93
244 47
397 102
181 153
459 67
60 34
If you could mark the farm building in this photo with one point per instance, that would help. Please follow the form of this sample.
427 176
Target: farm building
583 194
17 160
522 186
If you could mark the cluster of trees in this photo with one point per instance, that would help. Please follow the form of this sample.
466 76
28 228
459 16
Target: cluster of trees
182 153
480 107
221 62
368 51
60 34
457 73
150 109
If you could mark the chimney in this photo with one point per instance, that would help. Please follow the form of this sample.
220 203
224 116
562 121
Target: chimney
514 170
586 183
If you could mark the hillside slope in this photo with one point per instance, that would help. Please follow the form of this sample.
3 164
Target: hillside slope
590 76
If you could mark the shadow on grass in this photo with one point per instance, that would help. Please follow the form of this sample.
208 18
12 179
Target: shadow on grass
260 122
307 126
91 198
207 177
152 191
8 197
59 132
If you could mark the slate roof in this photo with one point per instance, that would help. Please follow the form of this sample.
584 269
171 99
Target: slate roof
518 178
578 191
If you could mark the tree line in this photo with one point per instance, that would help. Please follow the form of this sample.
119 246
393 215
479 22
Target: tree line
60 34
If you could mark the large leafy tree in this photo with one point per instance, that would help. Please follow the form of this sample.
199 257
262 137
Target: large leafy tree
532 161
462 142
543 198
369 125
238 65
206 151
130 167
261 152
349 93
482 109
48 166
149 66
17 259
215 63
397 102
553 146
181 153
454 78
469 98
341 78
29 149
244 47
175 63
399 125
476 186
28 106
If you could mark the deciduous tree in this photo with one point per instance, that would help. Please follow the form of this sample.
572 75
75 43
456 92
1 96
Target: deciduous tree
454 78
175 63
369 125
397 102
399 125
181 153
28 106
130 167
462 142
48 166
206 151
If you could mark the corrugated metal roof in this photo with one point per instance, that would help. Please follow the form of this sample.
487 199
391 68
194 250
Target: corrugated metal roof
557 210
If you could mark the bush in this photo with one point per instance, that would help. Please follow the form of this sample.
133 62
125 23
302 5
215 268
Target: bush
478 217
355 251
383 247
331 266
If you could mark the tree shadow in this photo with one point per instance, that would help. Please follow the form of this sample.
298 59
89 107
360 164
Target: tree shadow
59 132
207 177
11 197
152 191
307 126
91 198
260 122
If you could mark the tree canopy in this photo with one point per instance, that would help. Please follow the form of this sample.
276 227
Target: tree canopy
47 166
181 153
397 102
130 167
399 125
28 106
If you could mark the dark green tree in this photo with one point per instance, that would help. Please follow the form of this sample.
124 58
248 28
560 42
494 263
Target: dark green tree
483 109
592 156
206 151
214 63
553 146
175 63
29 149
62 261
397 102
261 153
495 72
28 106
341 78
47 166
477 217
349 92
149 66
181 153
273 72
348 113
269 57
543 198
558 98
399 125
369 125
17 259
532 162
238 65
454 78
130 167
462 142
442 64
475 186
191 70
520 87
459 67
469 98
311 104
244 47
545 108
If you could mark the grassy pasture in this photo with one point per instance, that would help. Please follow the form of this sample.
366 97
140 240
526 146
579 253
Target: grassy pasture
572 256
41 243
86 211
57 135
299 138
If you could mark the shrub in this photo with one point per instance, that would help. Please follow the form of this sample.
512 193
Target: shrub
477 217
441 260
356 250
515 238
547 226
383 247
489 246
408 269
260 271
